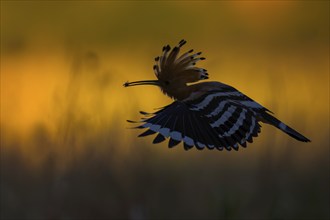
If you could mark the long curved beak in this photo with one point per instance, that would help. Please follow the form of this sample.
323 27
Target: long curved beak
143 82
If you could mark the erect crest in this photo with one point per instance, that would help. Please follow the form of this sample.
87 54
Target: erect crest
170 67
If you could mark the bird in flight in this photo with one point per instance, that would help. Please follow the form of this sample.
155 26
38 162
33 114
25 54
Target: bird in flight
209 115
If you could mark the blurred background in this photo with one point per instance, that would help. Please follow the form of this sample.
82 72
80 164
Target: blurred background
67 151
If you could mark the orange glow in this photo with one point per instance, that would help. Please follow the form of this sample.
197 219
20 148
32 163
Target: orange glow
67 151
74 79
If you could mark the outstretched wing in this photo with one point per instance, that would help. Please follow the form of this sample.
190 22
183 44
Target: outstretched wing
228 112
178 123
212 121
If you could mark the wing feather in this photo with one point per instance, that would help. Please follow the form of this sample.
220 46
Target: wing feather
216 121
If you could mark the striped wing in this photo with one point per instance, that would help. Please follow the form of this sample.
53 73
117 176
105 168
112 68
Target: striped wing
178 123
231 114
235 116
216 120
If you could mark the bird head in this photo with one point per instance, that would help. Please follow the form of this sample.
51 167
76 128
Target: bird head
174 72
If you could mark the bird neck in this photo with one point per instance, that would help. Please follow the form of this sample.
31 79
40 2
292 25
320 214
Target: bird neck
183 91
177 92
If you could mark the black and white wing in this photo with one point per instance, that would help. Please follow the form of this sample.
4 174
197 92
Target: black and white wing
235 116
228 113
178 123
219 119
217 126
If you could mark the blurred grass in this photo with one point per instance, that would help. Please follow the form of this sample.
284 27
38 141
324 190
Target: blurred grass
66 152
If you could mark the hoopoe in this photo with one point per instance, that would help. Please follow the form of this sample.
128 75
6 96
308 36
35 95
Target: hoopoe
209 115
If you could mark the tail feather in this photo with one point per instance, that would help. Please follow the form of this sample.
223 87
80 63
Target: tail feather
285 128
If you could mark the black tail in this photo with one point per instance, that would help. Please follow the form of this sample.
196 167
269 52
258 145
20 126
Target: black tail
280 125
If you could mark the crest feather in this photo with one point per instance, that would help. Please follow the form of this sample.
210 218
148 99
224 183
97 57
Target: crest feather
170 67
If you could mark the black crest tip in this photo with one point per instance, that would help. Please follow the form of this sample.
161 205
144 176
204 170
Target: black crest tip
182 42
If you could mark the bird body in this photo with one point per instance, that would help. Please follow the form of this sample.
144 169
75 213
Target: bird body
206 114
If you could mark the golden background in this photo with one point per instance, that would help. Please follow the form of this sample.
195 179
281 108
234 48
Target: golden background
67 152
